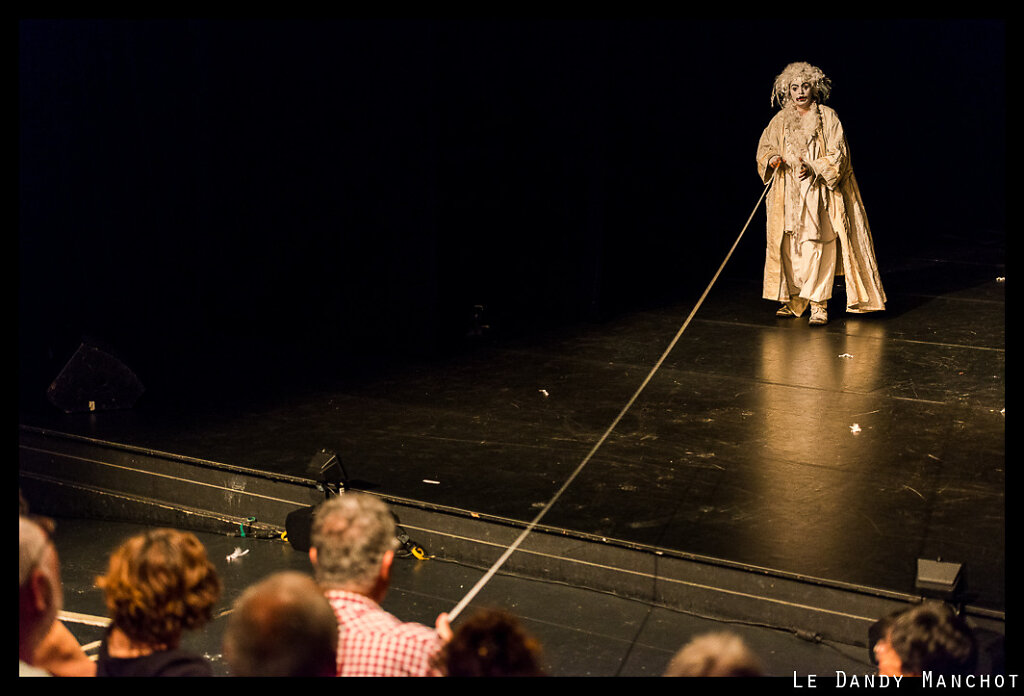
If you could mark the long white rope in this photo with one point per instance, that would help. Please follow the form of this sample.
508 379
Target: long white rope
453 614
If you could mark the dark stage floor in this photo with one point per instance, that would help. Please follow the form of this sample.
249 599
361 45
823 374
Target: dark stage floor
843 453
582 633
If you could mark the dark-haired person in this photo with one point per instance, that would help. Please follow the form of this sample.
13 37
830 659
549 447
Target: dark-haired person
491 643
929 638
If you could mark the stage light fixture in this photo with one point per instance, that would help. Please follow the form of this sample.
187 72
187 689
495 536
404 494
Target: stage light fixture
326 469
938 579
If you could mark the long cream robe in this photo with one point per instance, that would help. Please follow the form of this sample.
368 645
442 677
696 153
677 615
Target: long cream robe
835 195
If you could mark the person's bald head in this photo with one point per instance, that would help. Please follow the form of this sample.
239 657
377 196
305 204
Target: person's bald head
282 626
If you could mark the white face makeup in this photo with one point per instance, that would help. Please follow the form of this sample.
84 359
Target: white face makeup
800 94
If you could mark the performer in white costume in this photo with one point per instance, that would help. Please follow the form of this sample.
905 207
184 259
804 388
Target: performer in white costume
817 227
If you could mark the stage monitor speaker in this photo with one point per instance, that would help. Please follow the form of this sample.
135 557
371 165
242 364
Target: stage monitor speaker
94 380
937 579
328 472
298 526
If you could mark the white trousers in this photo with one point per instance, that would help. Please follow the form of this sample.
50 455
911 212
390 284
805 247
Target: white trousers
808 271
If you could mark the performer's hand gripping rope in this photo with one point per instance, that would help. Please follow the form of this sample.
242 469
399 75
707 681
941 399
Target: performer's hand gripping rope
453 614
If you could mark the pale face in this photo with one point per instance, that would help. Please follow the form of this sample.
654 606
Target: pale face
889 663
800 93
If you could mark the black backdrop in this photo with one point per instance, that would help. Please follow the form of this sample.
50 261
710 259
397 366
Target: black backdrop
359 186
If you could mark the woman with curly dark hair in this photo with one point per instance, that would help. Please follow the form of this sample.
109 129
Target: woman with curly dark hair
158 584
491 643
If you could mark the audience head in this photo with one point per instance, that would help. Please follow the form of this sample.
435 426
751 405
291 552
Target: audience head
353 543
490 643
159 584
715 655
927 638
40 593
282 626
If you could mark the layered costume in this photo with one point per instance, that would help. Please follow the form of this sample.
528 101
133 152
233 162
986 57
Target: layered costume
817 227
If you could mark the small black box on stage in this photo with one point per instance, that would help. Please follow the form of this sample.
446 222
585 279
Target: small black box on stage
298 525
937 578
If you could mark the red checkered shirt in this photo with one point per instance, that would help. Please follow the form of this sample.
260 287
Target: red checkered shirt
374 643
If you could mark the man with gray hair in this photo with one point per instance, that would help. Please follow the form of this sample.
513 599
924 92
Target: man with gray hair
353 545
40 592
720 654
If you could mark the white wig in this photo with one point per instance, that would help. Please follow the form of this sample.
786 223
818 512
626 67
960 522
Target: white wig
800 73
